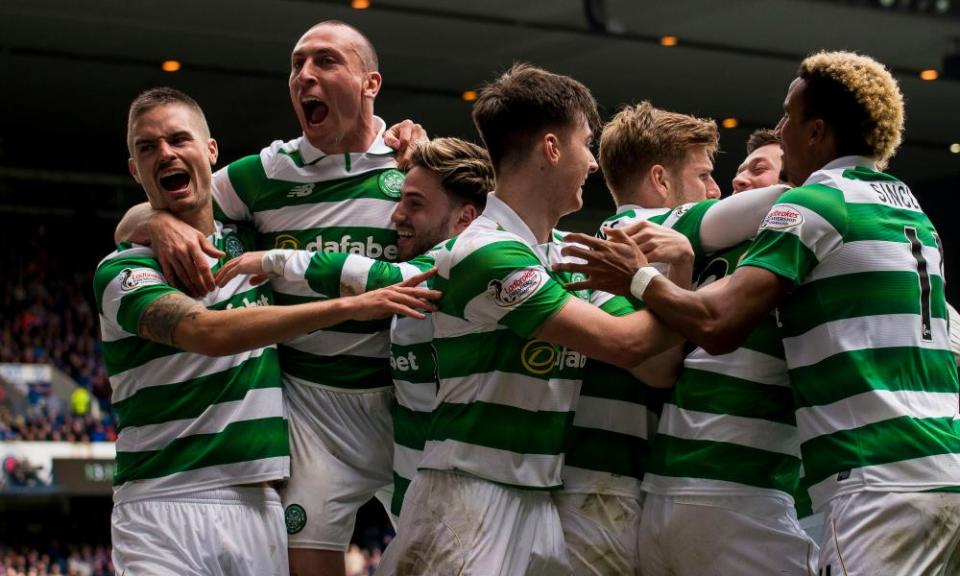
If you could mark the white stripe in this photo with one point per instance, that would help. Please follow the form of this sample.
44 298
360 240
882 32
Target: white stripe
330 343
742 363
749 432
682 486
611 415
531 470
227 197
916 475
353 213
222 475
295 288
584 481
406 460
481 232
332 167
406 331
517 390
408 271
173 369
110 331
354 275
863 333
448 326
874 256
420 397
860 192
815 232
258 403
873 407
295 269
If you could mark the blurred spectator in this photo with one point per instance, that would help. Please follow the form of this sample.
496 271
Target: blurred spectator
82 560
47 315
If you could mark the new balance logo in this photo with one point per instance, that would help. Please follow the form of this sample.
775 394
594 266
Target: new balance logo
301 191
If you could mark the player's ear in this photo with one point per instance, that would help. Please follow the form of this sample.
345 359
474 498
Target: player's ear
132 166
660 179
213 151
371 84
551 148
465 215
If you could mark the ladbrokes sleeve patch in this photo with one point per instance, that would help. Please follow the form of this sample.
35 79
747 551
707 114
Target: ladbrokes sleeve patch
781 217
133 278
517 286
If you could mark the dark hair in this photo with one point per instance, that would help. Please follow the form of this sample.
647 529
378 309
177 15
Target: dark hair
463 168
761 137
160 96
524 102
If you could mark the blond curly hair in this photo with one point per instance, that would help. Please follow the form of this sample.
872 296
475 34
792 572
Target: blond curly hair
641 136
858 97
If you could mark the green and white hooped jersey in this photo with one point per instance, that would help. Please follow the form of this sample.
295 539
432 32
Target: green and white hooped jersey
300 198
728 427
505 399
865 332
411 353
187 422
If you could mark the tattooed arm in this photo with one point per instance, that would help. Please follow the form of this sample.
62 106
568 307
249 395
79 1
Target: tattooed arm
176 320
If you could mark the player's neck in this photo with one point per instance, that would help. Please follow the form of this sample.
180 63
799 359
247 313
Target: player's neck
534 208
642 196
357 140
200 219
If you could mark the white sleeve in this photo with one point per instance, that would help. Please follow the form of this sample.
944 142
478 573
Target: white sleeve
227 197
737 218
954 332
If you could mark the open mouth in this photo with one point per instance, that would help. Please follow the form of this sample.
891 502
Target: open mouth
175 181
405 234
314 110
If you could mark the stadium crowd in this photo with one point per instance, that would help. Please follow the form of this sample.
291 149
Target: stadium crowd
56 559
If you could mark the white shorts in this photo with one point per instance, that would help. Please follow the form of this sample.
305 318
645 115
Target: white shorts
697 535
601 532
227 531
341 456
892 533
459 525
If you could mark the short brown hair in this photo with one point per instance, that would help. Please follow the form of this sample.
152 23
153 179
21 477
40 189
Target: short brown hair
858 98
761 137
524 102
463 168
641 136
160 96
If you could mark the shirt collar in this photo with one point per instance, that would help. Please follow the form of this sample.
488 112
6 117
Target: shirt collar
845 162
501 213
310 153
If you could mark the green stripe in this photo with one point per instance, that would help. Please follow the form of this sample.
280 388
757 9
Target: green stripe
410 427
828 202
189 399
689 224
683 458
424 373
867 174
897 369
400 486
726 395
503 351
244 441
886 223
501 427
473 275
602 380
894 440
858 295
134 304
133 352
605 451
781 253
248 179
330 240
344 371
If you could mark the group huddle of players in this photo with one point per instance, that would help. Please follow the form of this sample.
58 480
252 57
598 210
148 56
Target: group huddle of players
666 397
